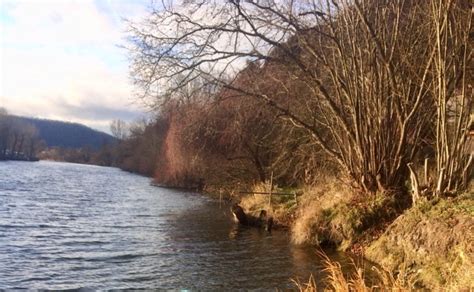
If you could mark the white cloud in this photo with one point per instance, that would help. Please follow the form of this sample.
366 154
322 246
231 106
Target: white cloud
63 23
59 59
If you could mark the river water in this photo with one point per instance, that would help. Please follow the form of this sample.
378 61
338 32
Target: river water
70 226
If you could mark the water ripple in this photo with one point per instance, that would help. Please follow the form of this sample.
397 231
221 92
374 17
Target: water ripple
69 226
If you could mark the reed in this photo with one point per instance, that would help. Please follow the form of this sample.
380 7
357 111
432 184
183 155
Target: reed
356 281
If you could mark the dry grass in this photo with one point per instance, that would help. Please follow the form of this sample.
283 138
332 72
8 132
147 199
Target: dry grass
432 240
256 202
309 218
310 286
461 272
380 280
313 203
302 216
304 227
280 210
337 280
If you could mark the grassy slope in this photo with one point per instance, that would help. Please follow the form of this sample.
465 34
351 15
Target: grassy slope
432 243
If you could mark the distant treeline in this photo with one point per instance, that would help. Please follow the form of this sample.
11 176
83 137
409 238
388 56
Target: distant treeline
19 140
23 138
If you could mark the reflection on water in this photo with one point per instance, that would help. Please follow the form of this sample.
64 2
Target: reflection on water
68 226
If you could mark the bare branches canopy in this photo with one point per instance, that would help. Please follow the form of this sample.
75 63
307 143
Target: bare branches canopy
371 82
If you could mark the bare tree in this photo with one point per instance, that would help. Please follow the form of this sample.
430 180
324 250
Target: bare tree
363 69
5 130
453 92
18 139
119 129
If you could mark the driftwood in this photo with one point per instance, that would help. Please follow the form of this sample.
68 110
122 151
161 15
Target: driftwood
262 221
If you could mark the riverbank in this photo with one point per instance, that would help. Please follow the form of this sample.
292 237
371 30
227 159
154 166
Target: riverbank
428 245
431 243
18 158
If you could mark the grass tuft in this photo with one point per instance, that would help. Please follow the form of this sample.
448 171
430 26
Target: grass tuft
357 281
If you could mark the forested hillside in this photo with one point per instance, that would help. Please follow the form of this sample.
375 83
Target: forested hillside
68 135
23 138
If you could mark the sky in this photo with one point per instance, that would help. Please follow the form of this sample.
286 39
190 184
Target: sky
61 59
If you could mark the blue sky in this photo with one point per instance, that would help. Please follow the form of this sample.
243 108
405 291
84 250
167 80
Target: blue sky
61 59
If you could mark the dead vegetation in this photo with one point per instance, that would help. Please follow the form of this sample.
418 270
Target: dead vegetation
362 90
357 281
432 240
378 280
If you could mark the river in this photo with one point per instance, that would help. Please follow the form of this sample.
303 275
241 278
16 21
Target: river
70 226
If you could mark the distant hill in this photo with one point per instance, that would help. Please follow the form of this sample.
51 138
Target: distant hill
69 135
